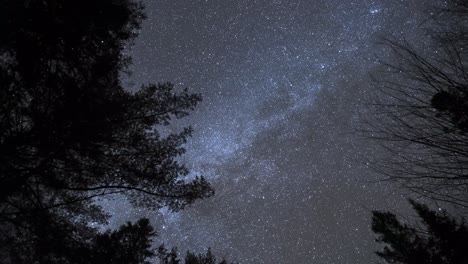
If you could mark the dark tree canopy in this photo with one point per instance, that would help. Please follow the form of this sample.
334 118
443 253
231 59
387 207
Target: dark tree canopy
168 257
207 258
171 257
70 131
131 244
437 239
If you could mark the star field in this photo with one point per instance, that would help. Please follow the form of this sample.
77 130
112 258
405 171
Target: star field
282 83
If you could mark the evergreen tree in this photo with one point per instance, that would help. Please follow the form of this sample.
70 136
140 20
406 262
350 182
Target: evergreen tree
438 239
166 257
207 258
71 132
131 244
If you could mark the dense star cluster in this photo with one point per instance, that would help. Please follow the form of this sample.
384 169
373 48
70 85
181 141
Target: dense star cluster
283 84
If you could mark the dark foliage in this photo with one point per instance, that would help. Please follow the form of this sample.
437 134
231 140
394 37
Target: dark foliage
131 244
70 132
207 258
439 240
453 104
166 257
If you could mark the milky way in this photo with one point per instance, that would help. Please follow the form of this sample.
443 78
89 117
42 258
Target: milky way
282 83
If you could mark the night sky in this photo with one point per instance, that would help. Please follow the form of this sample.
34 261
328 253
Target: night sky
283 83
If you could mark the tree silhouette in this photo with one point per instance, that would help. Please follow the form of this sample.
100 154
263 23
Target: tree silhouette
207 258
131 244
166 257
71 132
420 110
171 257
439 240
